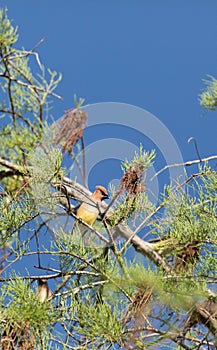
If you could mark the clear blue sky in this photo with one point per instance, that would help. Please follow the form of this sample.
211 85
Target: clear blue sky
153 54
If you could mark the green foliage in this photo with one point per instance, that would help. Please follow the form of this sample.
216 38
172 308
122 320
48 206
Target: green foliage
98 323
131 210
16 144
143 159
176 292
208 262
208 99
73 247
78 102
8 34
103 297
133 203
191 214
22 308
13 214
44 164
27 93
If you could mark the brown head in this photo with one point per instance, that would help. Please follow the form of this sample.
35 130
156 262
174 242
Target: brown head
100 193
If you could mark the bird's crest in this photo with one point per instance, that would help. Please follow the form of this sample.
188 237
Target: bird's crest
103 191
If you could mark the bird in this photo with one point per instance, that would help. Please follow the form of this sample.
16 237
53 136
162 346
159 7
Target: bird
43 290
88 211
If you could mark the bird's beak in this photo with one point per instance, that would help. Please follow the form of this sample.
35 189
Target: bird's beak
106 196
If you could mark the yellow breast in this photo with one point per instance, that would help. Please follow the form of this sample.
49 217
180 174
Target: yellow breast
88 216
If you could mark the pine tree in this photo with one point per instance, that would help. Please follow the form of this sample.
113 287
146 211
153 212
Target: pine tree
99 299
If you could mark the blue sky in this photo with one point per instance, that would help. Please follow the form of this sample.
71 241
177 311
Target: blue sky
152 54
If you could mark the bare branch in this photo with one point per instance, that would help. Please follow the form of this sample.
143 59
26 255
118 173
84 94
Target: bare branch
27 121
188 163
31 86
12 166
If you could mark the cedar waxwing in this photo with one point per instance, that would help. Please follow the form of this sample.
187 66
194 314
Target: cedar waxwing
89 211
43 289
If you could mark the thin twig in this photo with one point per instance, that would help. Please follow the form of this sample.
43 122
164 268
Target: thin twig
27 121
140 227
38 248
39 43
188 163
195 144
76 290
84 162
102 273
12 166
90 228
9 92
31 86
